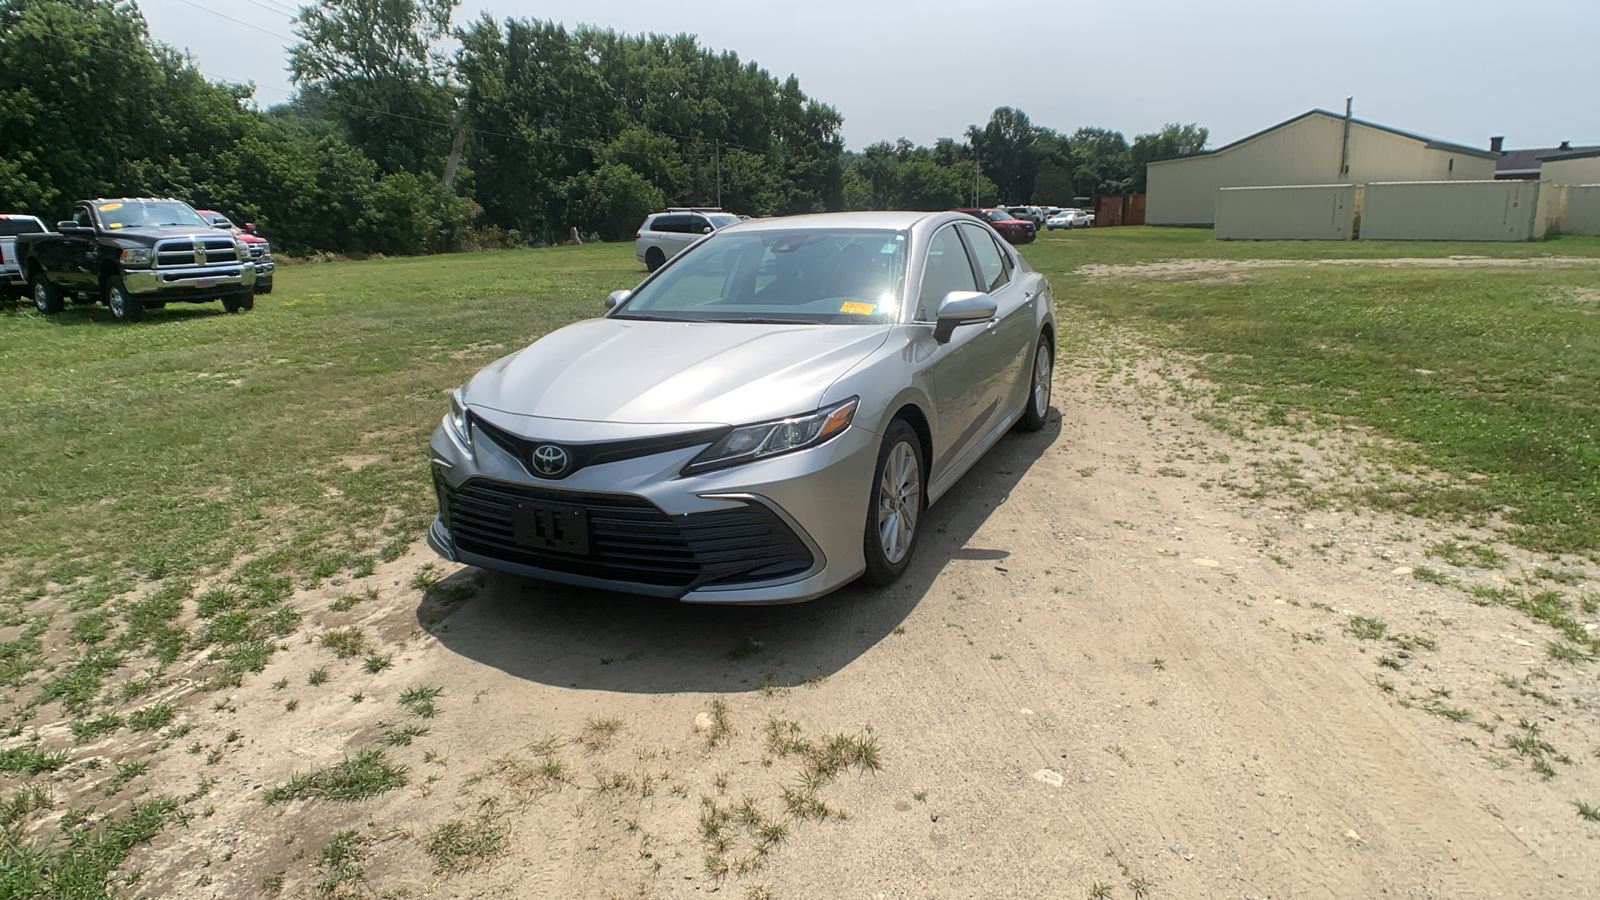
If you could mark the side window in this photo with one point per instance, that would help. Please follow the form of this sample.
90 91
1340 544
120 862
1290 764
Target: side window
669 224
991 262
80 215
698 225
947 269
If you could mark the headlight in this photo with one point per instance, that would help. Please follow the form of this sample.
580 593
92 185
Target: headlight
266 251
459 420
138 256
753 442
242 250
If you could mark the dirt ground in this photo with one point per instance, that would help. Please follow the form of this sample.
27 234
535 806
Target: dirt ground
1111 669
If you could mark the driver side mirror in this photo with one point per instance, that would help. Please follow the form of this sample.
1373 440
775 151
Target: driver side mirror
250 227
706 230
962 308
616 297
67 226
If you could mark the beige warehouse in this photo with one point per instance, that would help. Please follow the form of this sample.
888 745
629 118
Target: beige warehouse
1306 150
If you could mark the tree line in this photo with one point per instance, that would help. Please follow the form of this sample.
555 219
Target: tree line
524 131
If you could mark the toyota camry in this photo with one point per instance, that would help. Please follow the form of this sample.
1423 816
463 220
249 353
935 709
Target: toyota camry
764 419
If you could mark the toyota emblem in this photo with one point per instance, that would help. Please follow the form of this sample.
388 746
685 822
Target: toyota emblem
550 461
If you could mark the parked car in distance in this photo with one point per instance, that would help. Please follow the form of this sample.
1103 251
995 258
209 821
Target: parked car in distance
1026 213
1013 229
135 254
13 279
260 248
666 234
764 419
1070 218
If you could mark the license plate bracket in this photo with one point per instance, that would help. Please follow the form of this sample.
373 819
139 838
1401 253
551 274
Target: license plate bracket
206 283
550 526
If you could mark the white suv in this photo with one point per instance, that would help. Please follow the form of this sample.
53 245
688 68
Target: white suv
666 234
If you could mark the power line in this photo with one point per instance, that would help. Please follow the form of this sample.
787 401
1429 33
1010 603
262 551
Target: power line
240 21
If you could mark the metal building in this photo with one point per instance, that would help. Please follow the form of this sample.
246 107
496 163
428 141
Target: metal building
1580 167
1317 148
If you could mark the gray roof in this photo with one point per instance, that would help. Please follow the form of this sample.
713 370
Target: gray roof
1426 141
1527 161
1569 153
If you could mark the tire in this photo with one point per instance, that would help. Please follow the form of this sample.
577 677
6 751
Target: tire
264 288
46 296
239 302
897 495
124 308
1037 411
654 258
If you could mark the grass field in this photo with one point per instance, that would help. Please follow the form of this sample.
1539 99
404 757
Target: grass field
199 468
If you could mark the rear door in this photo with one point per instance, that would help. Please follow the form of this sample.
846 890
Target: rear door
1012 330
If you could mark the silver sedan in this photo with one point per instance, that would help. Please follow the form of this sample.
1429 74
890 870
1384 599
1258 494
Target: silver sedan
762 420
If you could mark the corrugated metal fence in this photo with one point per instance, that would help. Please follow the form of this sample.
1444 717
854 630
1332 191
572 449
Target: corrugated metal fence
1408 211
1311 212
1450 211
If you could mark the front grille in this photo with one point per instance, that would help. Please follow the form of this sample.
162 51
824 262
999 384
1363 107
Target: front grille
630 540
181 253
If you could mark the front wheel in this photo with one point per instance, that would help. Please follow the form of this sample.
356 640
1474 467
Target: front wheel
1037 411
123 307
895 507
46 296
240 302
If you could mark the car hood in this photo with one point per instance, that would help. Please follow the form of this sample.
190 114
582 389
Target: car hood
689 373
168 232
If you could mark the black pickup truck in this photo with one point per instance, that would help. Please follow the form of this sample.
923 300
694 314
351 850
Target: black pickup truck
136 254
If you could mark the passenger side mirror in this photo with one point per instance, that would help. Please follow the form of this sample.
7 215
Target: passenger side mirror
67 226
706 230
250 227
962 308
616 297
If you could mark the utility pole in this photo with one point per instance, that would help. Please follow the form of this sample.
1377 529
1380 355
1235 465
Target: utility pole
1344 151
716 148
455 147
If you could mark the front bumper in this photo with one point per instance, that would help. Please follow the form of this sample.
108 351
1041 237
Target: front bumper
190 282
780 530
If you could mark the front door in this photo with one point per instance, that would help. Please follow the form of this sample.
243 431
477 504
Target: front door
960 372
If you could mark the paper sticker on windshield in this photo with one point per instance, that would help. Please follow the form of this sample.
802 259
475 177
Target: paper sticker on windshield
859 309
107 207
889 247
115 224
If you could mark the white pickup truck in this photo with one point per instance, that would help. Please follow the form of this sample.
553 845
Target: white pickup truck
14 281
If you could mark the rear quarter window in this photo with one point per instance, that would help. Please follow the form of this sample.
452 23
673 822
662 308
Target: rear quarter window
14 227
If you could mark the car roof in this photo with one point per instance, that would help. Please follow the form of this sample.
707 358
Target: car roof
897 220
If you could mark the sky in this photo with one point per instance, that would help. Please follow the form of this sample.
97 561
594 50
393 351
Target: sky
1458 71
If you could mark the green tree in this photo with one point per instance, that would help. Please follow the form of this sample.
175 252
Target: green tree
1172 141
1006 151
610 201
377 67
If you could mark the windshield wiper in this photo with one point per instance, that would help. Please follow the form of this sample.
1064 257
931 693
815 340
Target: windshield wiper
756 320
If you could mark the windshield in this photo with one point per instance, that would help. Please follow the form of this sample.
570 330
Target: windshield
723 221
805 276
148 214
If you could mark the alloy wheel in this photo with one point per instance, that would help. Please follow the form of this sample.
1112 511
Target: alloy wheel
899 502
1042 365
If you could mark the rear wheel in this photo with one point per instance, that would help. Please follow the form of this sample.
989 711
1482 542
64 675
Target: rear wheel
653 258
46 297
123 307
1037 411
894 509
